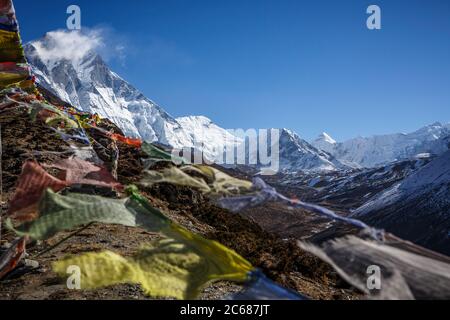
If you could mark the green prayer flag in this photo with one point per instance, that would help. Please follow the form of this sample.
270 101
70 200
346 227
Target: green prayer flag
59 213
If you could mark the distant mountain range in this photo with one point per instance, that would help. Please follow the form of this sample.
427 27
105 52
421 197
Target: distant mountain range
382 149
90 85
397 181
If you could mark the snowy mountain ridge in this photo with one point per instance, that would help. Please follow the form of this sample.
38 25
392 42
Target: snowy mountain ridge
382 149
81 78
73 71
87 83
297 153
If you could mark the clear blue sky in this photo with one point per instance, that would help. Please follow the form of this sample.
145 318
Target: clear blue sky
311 66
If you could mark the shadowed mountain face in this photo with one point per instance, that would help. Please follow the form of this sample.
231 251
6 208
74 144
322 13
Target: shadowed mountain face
296 154
348 190
408 198
417 208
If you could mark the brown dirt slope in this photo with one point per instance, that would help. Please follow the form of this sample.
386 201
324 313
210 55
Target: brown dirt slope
279 258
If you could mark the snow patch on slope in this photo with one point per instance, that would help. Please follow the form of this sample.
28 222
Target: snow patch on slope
433 177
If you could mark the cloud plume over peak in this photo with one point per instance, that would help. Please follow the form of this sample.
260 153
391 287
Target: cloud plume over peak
69 45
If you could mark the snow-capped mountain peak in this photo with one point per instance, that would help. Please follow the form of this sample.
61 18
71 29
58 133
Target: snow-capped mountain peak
84 80
327 138
298 153
67 64
324 142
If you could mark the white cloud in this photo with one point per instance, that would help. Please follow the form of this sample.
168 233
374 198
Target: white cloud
111 45
70 45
